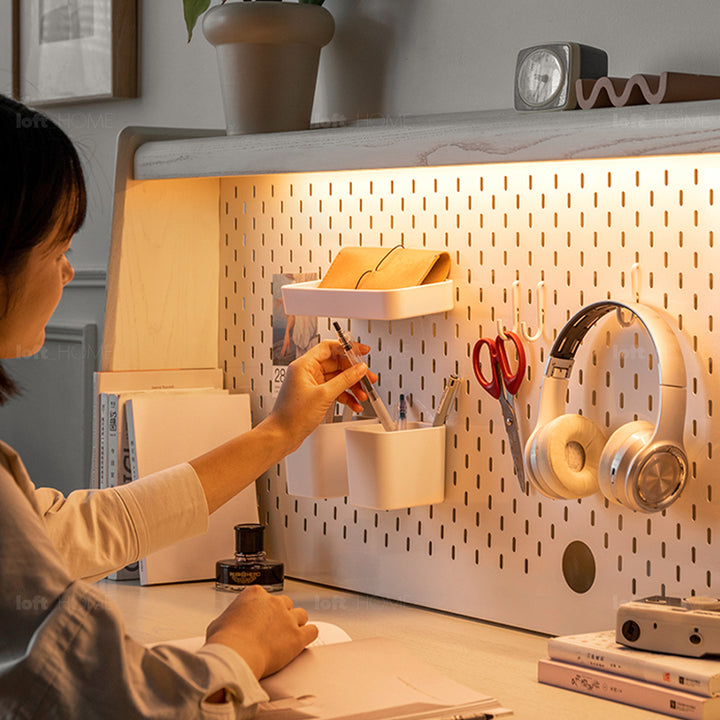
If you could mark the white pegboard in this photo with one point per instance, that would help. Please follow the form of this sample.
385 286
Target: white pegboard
490 551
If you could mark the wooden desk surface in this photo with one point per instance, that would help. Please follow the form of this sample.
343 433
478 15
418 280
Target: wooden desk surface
494 660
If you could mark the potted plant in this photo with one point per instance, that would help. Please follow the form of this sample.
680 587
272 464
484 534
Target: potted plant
268 54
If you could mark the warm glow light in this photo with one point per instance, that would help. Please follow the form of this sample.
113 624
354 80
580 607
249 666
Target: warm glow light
578 225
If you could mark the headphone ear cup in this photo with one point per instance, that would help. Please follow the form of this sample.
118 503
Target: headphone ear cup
611 478
533 470
566 455
640 476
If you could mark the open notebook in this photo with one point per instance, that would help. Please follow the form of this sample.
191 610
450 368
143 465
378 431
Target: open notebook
370 679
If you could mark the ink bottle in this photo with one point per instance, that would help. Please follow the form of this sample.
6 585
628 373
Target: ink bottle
250 566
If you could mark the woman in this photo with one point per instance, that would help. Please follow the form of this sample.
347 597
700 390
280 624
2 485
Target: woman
63 651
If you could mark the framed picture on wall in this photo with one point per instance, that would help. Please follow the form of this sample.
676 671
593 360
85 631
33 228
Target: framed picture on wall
74 50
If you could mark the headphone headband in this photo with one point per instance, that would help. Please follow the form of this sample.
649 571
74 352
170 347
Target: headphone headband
671 368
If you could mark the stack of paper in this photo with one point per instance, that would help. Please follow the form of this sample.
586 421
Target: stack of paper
112 390
370 679
146 421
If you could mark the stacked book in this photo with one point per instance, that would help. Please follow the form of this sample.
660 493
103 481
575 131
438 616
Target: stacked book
594 664
112 390
148 420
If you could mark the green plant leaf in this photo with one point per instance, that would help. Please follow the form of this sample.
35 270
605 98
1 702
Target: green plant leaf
192 10
311 2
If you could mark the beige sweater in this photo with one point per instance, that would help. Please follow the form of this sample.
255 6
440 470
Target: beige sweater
63 649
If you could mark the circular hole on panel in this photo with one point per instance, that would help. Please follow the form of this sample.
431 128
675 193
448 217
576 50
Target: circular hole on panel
578 566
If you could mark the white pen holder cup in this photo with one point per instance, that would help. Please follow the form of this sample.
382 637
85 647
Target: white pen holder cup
318 468
392 470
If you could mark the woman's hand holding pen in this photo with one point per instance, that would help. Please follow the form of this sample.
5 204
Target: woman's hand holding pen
313 383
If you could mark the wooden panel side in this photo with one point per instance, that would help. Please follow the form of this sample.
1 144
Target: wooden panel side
162 297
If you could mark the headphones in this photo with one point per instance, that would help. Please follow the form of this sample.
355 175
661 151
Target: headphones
641 466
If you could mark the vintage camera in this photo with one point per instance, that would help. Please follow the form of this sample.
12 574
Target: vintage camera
678 626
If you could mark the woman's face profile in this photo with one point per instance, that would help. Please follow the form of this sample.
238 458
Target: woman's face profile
29 299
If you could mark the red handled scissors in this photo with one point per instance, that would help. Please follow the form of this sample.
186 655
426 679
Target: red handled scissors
503 384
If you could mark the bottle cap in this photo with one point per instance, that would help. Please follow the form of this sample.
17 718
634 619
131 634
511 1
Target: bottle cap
249 538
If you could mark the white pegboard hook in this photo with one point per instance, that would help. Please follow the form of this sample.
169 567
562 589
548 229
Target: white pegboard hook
516 312
635 281
635 276
501 330
540 300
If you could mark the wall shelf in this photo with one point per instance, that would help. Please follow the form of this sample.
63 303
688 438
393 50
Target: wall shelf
437 140
307 298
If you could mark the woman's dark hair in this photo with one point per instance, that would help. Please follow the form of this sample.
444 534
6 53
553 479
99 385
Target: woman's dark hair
42 190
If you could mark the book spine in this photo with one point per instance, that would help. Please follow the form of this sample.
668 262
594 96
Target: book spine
131 571
95 442
132 449
103 442
634 665
112 440
628 691
125 471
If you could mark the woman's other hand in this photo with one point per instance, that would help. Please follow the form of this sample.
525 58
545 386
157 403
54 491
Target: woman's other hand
264 629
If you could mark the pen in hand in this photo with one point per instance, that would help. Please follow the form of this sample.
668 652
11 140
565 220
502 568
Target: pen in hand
377 404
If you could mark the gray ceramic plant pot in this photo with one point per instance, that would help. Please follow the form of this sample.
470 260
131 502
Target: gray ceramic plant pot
268 55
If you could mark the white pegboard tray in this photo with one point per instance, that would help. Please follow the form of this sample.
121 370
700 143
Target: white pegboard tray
307 298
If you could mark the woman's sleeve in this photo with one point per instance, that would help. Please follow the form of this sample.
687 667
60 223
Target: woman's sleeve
99 531
65 652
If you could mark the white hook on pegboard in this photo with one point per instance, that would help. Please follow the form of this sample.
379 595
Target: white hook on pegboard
501 330
635 277
516 312
635 281
540 300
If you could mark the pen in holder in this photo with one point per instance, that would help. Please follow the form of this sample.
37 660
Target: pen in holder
373 398
392 470
318 468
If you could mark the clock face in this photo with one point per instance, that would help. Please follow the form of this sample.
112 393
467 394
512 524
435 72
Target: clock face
540 77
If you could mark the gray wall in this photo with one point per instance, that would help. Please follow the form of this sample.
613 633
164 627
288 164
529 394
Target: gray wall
388 57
